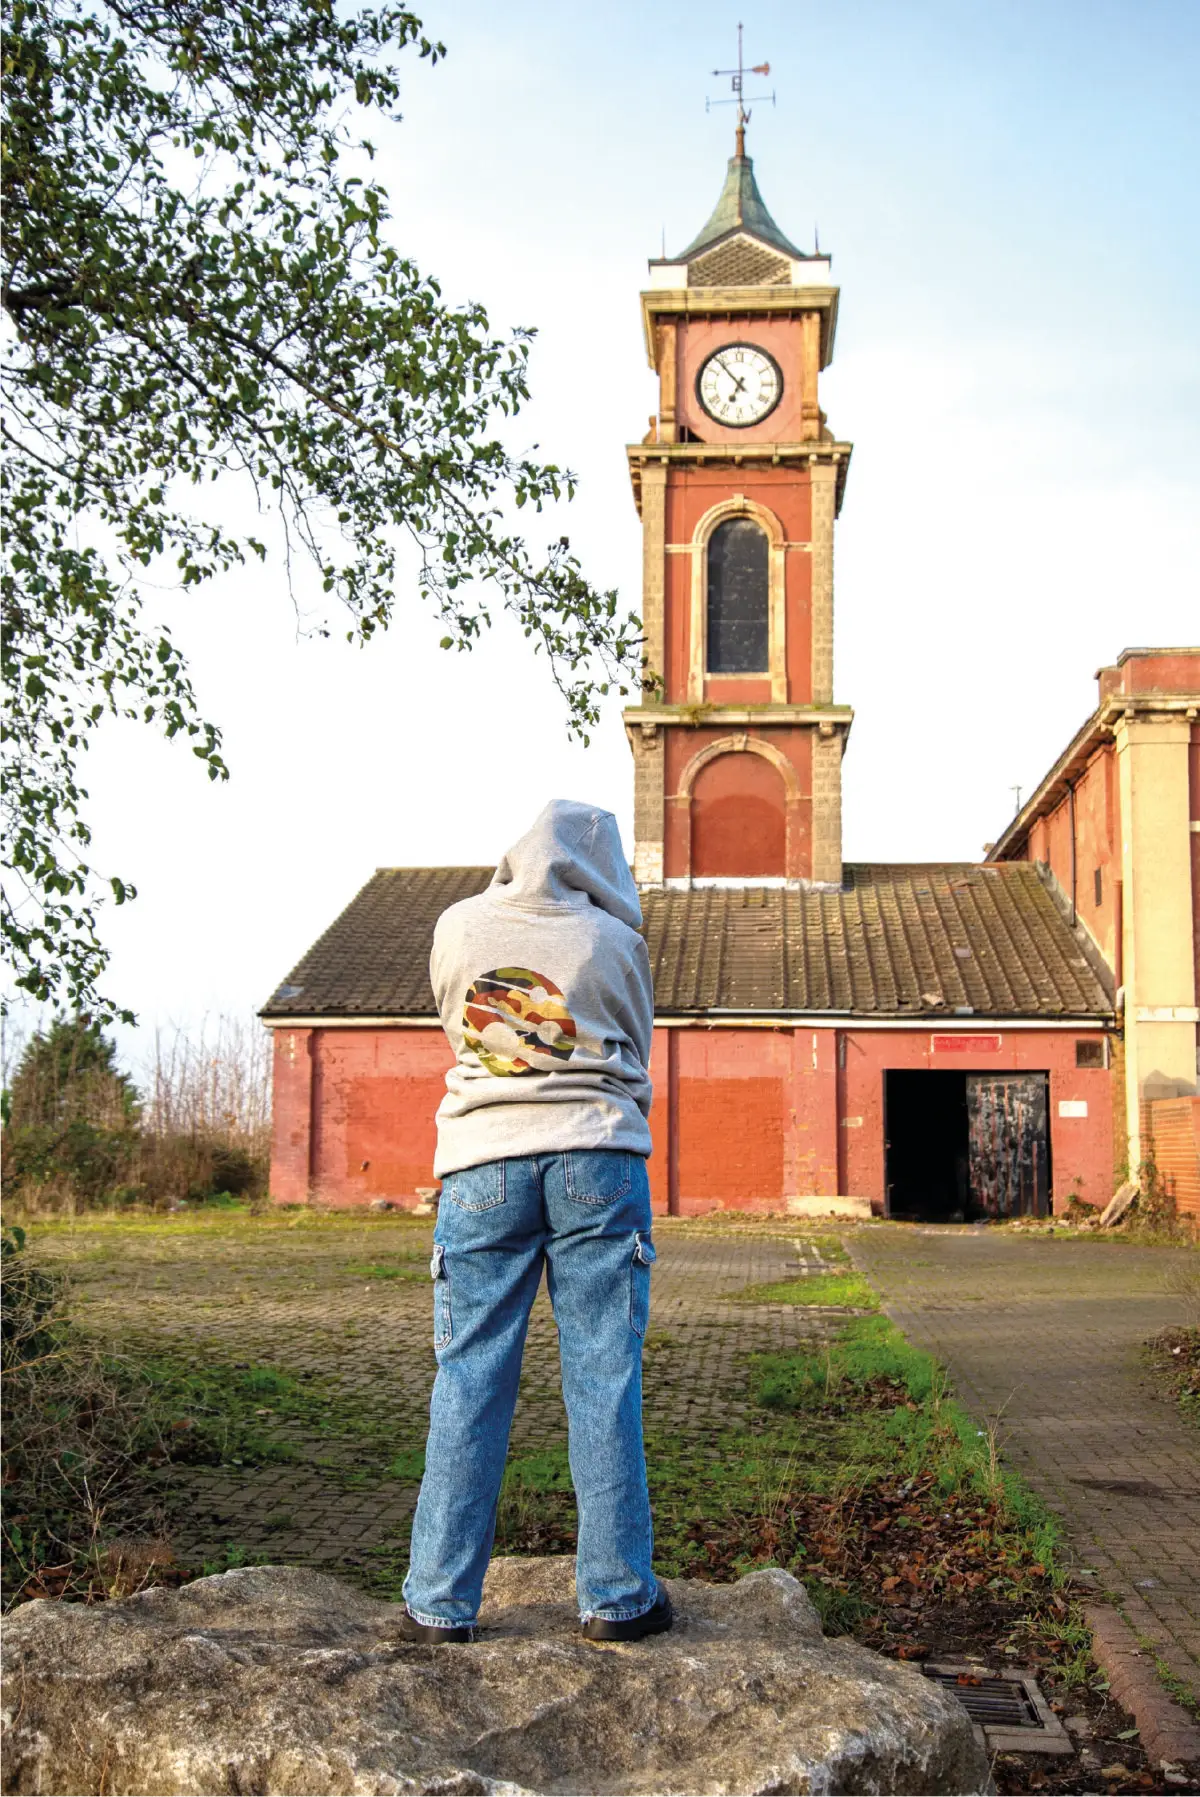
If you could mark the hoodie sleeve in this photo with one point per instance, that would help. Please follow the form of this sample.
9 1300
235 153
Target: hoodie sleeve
442 966
641 1003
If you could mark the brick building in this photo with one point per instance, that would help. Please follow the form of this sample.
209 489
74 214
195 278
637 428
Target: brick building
1117 821
935 1040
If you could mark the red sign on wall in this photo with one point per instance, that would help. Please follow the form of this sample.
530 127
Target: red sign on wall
965 1044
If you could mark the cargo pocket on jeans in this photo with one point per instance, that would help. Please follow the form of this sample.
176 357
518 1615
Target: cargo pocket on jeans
639 1283
443 1328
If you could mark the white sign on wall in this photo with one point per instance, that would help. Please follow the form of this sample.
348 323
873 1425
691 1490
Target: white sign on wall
1072 1107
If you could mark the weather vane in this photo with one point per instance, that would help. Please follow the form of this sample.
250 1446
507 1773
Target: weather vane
739 97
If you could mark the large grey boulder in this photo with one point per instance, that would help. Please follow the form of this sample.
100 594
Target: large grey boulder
276 1679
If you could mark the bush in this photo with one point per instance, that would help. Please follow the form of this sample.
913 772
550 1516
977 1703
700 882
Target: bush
79 1136
77 1163
79 1436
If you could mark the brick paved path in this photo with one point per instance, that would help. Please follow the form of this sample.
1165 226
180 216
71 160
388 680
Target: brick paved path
1047 1331
298 1300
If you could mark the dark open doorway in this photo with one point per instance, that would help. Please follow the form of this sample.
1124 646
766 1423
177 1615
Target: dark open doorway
960 1146
925 1135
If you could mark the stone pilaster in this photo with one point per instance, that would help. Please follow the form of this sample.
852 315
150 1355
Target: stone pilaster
823 475
828 744
654 570
649 780
810 364
1158 909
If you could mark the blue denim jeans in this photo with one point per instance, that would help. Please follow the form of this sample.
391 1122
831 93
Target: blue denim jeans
586 1217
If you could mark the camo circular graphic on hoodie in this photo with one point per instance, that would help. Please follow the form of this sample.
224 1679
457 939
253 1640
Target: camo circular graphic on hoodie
518 1022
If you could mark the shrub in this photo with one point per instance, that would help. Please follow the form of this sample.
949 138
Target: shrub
79 1432
79 1136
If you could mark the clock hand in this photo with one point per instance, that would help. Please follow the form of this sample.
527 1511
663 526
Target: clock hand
740 386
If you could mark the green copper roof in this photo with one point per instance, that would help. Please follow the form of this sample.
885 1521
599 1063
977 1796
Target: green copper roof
740 208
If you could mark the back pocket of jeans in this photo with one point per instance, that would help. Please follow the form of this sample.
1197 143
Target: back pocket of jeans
476 1188
639 1283
598 1175
443 1327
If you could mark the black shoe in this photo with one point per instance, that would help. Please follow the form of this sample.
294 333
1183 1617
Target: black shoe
433 1635
656 1621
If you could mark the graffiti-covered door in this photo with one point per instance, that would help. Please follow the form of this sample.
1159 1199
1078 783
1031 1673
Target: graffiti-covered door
1008 1144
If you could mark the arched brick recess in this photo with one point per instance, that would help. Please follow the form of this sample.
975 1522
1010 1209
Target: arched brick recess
743 820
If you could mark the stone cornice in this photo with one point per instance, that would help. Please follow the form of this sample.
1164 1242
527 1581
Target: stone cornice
740 455
826 718
741 302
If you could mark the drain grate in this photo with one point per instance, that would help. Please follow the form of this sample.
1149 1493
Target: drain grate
1008 1710
1000 1702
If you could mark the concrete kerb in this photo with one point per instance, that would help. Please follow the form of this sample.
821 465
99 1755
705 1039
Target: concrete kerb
1168 1732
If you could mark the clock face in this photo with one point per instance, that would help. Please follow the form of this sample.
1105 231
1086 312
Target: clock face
739 385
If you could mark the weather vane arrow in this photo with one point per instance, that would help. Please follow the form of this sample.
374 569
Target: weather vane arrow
739 96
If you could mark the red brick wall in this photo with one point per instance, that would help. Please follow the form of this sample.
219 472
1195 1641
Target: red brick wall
1081 1148
732 1112
373 1095
1097 847
743 1117
291 1114
1165 671
1175 1131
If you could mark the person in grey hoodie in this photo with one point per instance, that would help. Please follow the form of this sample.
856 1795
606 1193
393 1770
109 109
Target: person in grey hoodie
543 987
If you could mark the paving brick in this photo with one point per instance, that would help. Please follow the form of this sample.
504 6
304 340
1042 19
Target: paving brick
1045 1333
284 1298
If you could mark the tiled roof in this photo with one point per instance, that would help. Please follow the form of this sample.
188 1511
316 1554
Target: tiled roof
894 941
935 940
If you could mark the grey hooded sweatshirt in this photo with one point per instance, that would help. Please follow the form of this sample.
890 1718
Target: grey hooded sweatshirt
543 987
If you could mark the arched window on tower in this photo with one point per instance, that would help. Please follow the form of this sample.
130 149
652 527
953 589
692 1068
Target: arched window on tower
738 630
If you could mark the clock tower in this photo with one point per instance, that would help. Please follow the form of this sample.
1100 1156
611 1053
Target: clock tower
737 742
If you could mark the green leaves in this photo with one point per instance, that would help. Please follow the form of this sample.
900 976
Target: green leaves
169 335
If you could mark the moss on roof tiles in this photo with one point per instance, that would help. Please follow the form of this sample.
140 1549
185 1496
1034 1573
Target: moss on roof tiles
883 946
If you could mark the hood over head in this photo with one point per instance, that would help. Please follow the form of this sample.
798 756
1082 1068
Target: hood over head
570 855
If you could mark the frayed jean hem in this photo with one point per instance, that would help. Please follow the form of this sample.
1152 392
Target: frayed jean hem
620 1615
437 1622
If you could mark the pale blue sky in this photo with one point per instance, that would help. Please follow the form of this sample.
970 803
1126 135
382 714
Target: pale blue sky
1009 194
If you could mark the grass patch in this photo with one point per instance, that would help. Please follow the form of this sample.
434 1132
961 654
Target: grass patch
408 1465
406 1267
860 1474
85 1441
1176 1689
829 1247
236 1224
94 1439
840 1291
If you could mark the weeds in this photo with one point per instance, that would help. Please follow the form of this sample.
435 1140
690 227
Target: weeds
1173 1356
1182 1280
79 1440
859 1473
92 1440
835 1291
